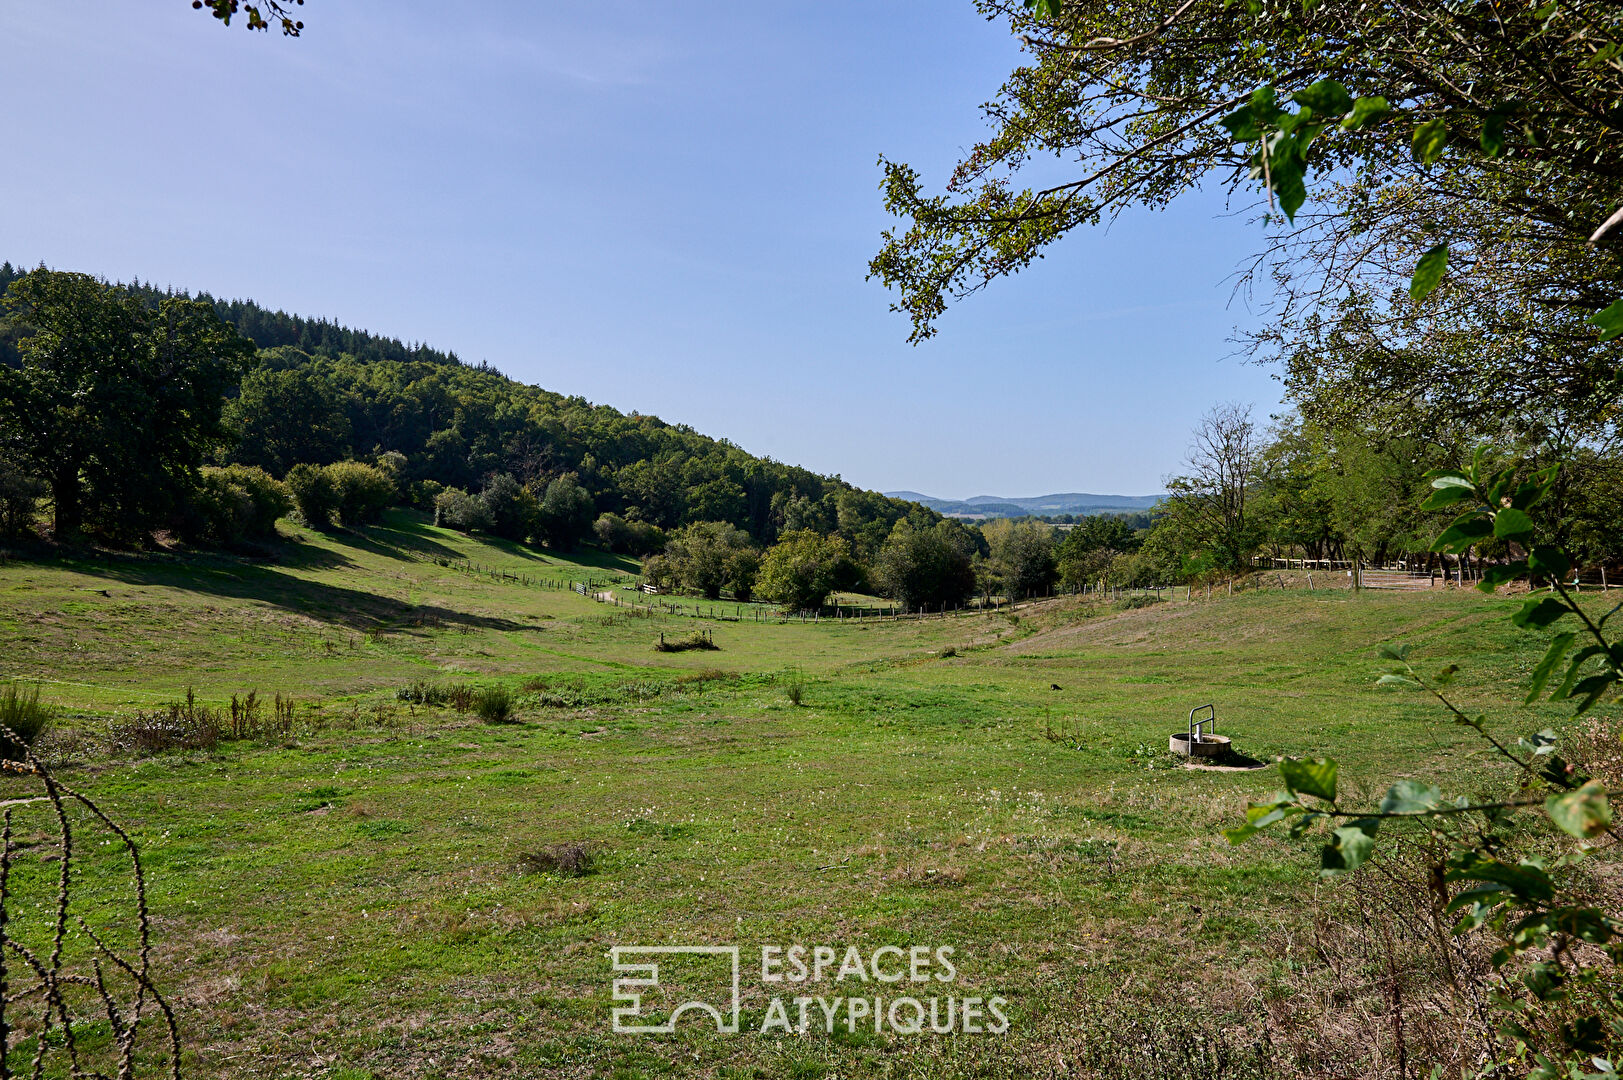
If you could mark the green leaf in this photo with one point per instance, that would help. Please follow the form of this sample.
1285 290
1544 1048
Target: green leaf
1325 97
1258 816
1548 561
1044 9
1545 981
1485 895
1525 880
1350 847
1610 321
1428 272
1442 479
1465 531
1430 140
1590 689
1546 667
1573 667
1499 574
1242 125
1315 776
1399 653
1366 111
1512 524
1396 680
1584 813
1411 797
1446 496
1538 613
1493 134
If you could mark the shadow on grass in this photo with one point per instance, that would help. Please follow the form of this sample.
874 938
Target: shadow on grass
398 537
268 581
353 609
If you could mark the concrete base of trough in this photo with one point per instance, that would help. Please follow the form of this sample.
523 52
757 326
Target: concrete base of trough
1206 746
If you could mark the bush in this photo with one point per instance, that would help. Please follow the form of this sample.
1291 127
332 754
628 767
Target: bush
509 509
456 509
698 640
423 494
238 502
803 568
182 726
494 705
794 686
564 513
22 712
360 491
313 494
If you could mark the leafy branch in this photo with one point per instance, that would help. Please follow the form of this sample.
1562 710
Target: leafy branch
1518 899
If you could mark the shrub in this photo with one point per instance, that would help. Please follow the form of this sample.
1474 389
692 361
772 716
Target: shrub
22 712
360 491
509 509
424 493
794 686
238 502
613 532
563 513
177 728
313 494
803 568
456 509
494 705
699 639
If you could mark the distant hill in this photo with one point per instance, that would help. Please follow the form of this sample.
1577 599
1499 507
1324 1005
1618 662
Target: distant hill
993 506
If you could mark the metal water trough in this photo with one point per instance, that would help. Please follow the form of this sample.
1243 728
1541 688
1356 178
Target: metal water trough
1196 743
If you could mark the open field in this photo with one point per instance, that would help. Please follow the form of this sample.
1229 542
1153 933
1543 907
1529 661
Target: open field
363 898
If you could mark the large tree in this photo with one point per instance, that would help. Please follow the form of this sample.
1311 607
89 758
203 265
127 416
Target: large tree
802 568
927 566
284 417
1467 157
1208 505
113 403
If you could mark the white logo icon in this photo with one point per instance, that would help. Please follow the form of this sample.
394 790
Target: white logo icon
630 990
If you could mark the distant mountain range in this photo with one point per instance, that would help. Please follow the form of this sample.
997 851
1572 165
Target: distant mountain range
993 506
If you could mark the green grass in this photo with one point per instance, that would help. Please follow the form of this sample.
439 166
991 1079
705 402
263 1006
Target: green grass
359 895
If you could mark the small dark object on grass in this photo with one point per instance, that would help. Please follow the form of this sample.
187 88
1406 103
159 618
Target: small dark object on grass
494 704
700 639
24 719
1053 686
566 860
950 650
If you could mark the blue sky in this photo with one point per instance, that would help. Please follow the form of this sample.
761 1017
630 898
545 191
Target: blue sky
667 208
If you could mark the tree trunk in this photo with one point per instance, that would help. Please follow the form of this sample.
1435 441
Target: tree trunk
65 493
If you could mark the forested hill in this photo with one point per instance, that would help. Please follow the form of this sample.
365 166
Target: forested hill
321 393
270 329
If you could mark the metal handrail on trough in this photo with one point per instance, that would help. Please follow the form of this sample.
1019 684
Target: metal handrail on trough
1209 722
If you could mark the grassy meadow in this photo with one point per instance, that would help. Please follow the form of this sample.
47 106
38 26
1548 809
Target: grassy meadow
374 895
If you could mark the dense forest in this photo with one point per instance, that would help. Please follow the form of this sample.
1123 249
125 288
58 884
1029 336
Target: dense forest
131 411
315 393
